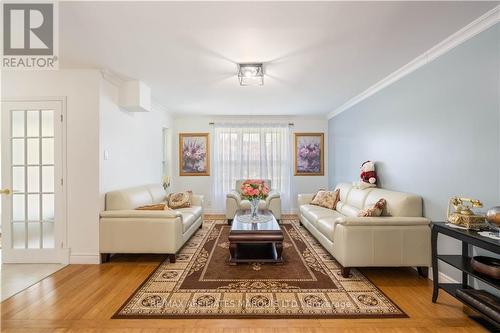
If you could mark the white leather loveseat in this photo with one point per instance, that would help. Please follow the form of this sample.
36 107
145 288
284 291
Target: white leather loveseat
234 202
400 237
126 230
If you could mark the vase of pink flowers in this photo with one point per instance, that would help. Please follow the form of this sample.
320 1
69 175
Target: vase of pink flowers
254 190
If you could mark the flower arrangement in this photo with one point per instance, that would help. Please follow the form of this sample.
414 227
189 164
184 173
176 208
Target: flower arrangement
254 189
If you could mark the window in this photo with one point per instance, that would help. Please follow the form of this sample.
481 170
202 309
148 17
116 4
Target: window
251 151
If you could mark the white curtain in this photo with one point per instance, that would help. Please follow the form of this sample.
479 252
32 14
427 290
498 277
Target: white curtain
257 151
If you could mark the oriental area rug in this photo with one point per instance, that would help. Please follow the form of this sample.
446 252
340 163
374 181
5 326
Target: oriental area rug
202 284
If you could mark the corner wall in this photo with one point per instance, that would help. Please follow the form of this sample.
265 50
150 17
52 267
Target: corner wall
133 142
435 132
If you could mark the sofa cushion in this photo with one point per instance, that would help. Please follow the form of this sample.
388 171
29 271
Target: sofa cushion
157 192
128 198
312 213
344 188
348 210
357 197
195 210
187 221
397 203
326 226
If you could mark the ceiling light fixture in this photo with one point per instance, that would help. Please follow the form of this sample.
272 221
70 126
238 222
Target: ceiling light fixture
251 74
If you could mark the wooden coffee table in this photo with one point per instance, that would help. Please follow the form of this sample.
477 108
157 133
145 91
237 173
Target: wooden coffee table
255 242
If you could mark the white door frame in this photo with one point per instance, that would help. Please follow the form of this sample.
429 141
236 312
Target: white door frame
60 254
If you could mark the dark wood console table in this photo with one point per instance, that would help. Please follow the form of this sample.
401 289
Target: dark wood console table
461 262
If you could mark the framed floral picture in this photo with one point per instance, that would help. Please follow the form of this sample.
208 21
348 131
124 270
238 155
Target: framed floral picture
194 154
309 154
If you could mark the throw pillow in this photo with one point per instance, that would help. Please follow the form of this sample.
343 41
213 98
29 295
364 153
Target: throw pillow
179 200
160 206
327 199
315 194
375 210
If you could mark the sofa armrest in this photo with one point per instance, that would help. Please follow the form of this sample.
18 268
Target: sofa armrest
382 221
304 198
159 214
272 195
234 195
197 200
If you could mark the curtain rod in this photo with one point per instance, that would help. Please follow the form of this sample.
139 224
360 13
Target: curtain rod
212 123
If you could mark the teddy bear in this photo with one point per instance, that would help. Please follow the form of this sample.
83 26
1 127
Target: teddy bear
368 176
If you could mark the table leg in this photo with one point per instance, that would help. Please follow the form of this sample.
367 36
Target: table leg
232 253
435 272
279 250
465 253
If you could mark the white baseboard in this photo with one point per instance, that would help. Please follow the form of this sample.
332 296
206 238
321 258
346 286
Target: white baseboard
443 278
213 211
85 259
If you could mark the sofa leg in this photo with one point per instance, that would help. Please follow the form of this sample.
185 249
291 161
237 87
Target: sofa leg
423 271
229 221
171 257
105 257
201 225
345 271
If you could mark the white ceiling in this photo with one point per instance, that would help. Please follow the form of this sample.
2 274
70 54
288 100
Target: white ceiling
317 55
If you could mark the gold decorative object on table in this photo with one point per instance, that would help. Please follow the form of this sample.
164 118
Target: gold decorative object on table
463 215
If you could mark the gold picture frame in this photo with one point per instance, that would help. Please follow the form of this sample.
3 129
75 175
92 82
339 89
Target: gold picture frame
194 154
309 154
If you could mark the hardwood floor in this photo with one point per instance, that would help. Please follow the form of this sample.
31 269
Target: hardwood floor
82 298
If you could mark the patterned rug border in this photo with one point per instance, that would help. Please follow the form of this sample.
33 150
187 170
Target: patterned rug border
290 217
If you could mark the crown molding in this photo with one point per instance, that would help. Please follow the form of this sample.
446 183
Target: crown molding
112 77
477 26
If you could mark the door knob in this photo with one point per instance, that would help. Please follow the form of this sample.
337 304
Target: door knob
6 191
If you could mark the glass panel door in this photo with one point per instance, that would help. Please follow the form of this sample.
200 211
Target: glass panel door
32 149
32 220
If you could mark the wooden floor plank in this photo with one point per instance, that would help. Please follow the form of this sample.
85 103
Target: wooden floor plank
82 298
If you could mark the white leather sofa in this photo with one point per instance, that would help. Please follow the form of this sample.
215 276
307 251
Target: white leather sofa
400 237
123 229
234 202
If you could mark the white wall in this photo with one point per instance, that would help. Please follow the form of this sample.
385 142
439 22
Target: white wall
133 141
203 184
81 89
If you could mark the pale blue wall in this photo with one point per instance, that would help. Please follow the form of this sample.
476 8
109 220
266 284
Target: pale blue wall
435 132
